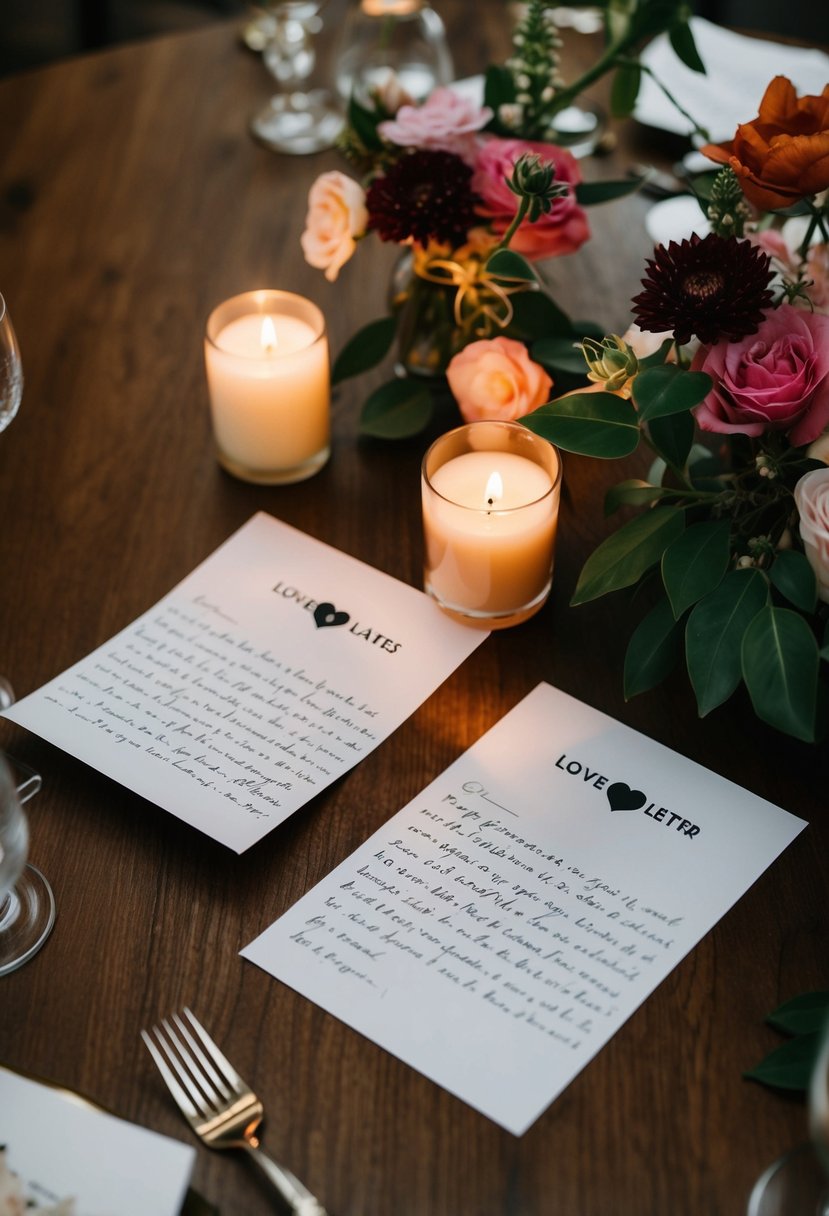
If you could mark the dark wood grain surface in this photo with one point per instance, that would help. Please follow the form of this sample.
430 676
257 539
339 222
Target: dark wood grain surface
132 201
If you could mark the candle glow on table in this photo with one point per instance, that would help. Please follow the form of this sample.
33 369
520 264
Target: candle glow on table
490 513
266 356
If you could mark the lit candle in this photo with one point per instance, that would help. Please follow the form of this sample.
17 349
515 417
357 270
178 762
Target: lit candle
490 513
266 356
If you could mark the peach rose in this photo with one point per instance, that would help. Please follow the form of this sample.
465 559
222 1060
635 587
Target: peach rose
495 378
811 496
783 154
336 215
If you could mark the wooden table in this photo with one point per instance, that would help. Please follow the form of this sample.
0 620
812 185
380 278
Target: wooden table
131 201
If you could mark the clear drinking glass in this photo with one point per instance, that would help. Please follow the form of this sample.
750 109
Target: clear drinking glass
27 905
11 391
293 120
797 1184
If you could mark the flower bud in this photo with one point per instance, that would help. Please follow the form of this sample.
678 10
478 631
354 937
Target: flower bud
610 362
535 180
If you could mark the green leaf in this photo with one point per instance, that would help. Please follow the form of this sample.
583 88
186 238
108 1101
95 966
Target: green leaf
592 424
797 209
368 347
560 354
499 87
682 40
623 558
780 668
397 410
633 493
625 90
789 1066
510 265
364 123
652 651
535 315
793 577
659 356
673 437
714 636
590 193
805 1014
660 391
694 564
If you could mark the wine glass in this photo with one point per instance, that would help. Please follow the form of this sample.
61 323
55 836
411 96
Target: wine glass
27 905
11 390
296 121
797 1184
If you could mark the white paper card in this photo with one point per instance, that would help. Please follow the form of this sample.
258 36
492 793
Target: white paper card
65 1157
270 671
737 71
497 931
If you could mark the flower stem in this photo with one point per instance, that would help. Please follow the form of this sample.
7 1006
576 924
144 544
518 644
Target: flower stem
517 220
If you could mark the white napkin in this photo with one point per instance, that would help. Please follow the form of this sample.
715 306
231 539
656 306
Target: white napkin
738 69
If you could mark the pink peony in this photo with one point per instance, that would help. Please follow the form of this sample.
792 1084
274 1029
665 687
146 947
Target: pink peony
811 496
562 231
495 378
446 122
776 379
336 215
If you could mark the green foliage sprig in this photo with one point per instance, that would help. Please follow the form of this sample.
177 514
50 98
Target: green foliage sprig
715 543
790 1066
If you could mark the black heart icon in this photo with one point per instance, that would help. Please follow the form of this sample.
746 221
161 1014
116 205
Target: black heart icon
327 614
622 798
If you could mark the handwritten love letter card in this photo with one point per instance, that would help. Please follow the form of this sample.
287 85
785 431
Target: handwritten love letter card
62 1155
267 673
499 929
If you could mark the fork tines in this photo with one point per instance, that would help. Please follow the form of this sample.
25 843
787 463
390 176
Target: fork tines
196 1072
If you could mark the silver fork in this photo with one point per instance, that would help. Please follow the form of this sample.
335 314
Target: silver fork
222 1110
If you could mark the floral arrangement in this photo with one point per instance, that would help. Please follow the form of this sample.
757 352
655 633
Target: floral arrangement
731 346
474 195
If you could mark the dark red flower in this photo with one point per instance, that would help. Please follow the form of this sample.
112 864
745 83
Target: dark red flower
425 195
712 287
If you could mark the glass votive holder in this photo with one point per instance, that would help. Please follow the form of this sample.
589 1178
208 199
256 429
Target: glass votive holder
490 495
268 378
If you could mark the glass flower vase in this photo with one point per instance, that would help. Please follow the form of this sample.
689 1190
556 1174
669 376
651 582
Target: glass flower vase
444 301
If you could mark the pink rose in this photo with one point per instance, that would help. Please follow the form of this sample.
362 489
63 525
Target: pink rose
562 231
495 378
776 379
336 215
446 122
811 496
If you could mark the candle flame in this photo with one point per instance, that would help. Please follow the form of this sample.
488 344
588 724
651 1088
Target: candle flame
494 489
268 335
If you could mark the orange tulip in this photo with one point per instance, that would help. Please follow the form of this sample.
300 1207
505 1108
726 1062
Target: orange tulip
783 154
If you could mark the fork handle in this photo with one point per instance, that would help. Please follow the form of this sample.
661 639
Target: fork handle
302 1202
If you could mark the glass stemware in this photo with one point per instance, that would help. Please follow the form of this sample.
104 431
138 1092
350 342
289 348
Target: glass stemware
797 1184
11 391
295 121
392 40
27 905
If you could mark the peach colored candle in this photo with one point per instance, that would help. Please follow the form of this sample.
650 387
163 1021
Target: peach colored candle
489 520
266 357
